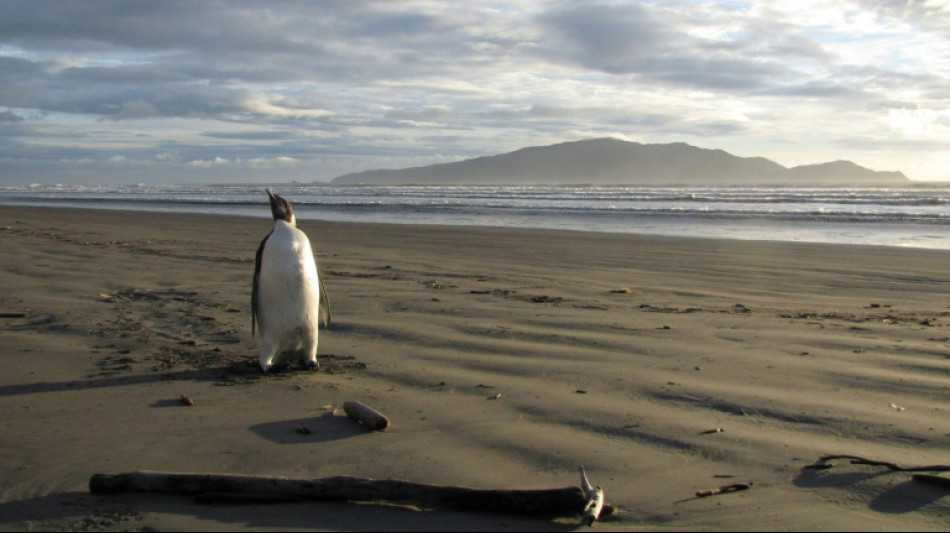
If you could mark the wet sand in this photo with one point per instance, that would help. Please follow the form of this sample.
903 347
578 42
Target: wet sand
503 358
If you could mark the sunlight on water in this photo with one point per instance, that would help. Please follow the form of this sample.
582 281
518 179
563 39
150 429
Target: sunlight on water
912 216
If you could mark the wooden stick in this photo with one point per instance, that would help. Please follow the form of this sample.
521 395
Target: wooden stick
567 501
734 487
367 415
226 498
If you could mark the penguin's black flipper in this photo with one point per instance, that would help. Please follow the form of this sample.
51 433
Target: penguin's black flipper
257 276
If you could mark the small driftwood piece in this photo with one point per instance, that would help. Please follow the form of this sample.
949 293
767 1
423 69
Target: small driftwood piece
366 415
725 489
595 500
857 460
567 501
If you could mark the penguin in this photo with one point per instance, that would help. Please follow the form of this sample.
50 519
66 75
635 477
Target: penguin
286 295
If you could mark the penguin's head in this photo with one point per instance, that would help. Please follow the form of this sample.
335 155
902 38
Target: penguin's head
281 209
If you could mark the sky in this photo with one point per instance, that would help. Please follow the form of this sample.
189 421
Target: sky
276 91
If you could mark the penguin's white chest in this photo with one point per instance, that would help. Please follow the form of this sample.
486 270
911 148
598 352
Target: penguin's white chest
288 296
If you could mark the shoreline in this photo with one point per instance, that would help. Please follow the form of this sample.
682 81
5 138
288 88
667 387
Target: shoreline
505 358
888 217
791 231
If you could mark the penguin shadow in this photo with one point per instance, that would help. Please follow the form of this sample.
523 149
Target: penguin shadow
114 381
248 370
310 430
55 506
824 479
904 497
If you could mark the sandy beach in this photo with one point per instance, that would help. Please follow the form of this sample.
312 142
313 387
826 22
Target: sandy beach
504 359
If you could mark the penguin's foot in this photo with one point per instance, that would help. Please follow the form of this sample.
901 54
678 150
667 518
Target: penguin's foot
311 364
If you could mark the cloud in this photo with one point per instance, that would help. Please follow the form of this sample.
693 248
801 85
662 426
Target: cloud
137 109
256 135
429 114
154 27
610 37
9 116
343 86
277 107
662 45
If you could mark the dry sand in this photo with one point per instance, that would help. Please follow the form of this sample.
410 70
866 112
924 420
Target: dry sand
504 359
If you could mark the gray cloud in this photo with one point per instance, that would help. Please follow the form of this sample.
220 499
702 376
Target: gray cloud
9 116
264 135
927 16
358 83
608 37
167 26
657 45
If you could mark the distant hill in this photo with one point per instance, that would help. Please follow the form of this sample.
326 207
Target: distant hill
616 162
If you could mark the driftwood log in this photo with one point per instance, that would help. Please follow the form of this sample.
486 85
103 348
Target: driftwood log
595 506
567 501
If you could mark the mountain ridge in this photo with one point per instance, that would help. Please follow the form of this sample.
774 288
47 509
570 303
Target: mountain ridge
611 161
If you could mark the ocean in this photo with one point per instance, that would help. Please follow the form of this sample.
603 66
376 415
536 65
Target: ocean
911 216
